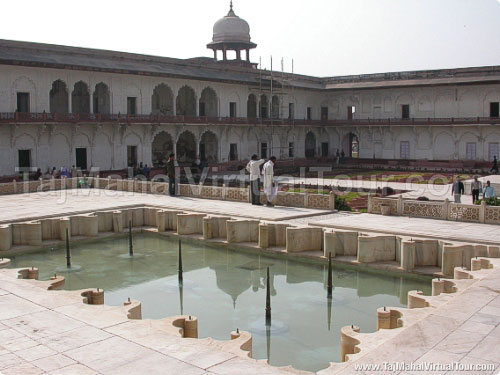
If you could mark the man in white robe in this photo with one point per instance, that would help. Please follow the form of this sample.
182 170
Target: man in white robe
253 167
270 188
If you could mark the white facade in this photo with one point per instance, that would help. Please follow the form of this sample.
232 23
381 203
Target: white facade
54 143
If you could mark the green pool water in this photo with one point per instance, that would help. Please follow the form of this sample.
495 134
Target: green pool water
225 289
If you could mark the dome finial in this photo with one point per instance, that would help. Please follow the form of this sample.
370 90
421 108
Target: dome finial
231 11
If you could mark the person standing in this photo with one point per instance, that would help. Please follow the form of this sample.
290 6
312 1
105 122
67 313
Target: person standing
253 167
170 169
476 187
457 190
489 191
494 168
146 171
269 187
38 174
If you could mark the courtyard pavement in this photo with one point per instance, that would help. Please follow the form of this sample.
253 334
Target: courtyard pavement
66 202
418 227
54 333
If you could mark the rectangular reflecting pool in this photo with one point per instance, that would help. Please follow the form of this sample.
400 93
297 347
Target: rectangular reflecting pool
225 289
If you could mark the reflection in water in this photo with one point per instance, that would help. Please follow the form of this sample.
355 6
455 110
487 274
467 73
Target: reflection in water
329 301
227 290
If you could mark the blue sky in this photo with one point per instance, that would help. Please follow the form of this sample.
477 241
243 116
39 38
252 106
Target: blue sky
324 37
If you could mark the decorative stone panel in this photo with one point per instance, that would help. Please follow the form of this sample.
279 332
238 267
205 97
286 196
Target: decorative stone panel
422 209
462 212
492 215
321 201
377 202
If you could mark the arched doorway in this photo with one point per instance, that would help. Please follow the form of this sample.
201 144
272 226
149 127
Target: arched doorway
251 106
162 101
208 103
59 97
102 103
275 107
350 145
208 147
80 98
186 147
264 107
310 146
185 103
162 147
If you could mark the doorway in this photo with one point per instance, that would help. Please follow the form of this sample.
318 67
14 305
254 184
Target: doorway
131 156
23 102
324 149
81 158
24 158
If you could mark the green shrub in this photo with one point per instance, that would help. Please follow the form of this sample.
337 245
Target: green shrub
489 201
341 205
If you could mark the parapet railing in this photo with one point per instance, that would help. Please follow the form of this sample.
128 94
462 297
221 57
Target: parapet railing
306 200
29 117
444 210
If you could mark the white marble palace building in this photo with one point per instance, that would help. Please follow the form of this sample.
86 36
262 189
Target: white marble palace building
63 106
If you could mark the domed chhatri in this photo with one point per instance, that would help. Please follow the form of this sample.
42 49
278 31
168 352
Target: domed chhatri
231 33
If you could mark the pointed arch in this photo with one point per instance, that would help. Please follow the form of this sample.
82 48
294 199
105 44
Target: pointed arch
209 147
101 98
162 147
185 103
209 103
251 106
186 147
80 98
58 97
162 101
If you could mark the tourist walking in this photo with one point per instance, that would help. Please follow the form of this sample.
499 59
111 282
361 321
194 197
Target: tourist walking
253 167
170 169
489 191
476 187
270 189
494 168
457 190
337 157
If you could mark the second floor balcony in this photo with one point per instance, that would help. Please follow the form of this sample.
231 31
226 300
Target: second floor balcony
71 118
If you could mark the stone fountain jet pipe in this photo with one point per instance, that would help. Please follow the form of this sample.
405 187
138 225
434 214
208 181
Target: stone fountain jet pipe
130 242
68 251
268 299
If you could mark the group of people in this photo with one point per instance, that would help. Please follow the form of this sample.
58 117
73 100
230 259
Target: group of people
458 189
142 170
63 172
339 157
267 173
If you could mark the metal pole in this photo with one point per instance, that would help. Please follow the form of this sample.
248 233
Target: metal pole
330 276
180 261
130 243
68 251
268 299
